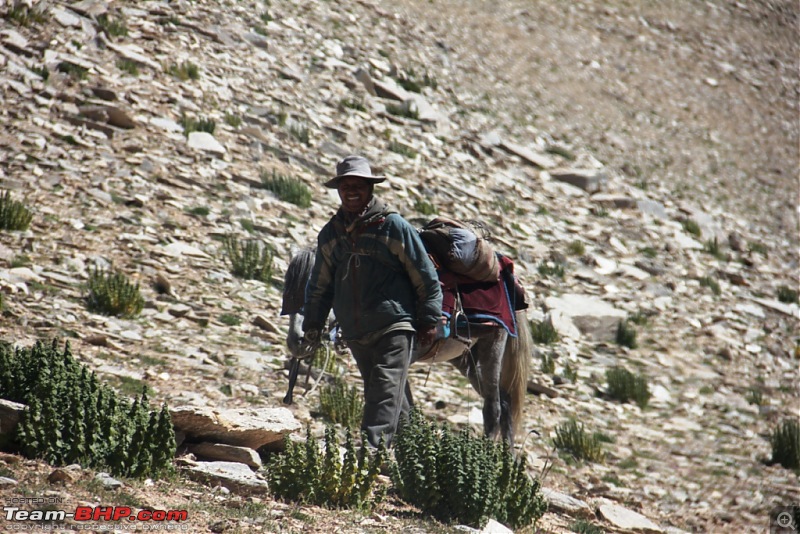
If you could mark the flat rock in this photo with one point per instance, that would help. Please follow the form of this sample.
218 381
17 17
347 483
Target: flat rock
206 142
593 317
10 412
561 502
627 520
226 453
251 428
234 476
590 180
534 158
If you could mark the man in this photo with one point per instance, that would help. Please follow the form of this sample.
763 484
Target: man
372 268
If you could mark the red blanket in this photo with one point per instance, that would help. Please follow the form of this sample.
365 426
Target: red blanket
485 301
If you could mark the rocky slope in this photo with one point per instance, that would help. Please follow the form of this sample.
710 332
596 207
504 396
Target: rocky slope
590 135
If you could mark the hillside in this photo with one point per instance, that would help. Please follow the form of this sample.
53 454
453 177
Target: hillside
650 149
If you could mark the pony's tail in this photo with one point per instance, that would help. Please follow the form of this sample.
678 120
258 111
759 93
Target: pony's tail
516 363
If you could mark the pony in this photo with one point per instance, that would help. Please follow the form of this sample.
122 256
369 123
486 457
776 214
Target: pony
495 362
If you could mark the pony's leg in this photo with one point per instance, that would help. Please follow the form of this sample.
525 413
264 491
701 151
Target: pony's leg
486 363
295 333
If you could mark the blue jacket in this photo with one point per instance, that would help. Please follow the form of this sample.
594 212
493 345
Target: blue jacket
374 272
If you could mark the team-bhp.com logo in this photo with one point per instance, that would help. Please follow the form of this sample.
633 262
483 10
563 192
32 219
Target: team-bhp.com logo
784 519
163 519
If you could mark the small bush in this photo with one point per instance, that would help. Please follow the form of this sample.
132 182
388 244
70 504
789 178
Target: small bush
712 284
287 189
113 294
351 103
459 477
787 294
624 386
571 437
544 332
755 396
785 442
74 71
410 81
302 473
42 71
13 214
126 65
22 15
341 404
72 418
569 373
561 151
234 121
551 269
424 207
548 366
199 211
113 27
576 248
712 247
184 71
403 150
692 227
230 319
626 334
250 260
191 124
300 132
581 526
759 248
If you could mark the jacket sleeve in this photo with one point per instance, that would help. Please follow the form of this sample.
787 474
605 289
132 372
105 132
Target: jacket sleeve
414 258
319 291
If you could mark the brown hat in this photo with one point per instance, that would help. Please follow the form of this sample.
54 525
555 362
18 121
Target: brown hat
355 166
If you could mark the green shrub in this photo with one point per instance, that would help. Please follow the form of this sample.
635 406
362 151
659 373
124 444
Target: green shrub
74 71
191 124
759 248
787 294
544 332
184 71
42 71
626 334
712 247
712 284
561 151
551 269
230 319
410 81
341 404
581 526
200 211
113 294
129 66
785 442
459 477
72 418
624 386
569 373
250 260
424 207
300 132
692 227
548 364
113 27
13 214
351 103
287 189
571 437
22 15
755 395
304 474
576 248
232 120
403 150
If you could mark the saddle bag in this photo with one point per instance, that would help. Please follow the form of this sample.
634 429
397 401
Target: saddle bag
462 248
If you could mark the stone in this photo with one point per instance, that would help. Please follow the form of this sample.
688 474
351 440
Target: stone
10 412
7 483
571 506
593 317
589 180
236 477
226 453
108 482
541 161
246 427
206 142
626 520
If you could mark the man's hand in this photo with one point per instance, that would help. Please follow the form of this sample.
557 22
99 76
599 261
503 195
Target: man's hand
309 344
426 335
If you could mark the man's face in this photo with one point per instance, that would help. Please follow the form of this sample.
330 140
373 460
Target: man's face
355 193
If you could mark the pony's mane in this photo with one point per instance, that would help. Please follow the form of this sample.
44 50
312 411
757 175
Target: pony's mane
294 283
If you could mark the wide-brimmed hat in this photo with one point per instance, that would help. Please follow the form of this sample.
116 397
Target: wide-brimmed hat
355 166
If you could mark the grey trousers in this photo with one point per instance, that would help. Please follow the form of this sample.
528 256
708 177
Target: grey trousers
383 364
